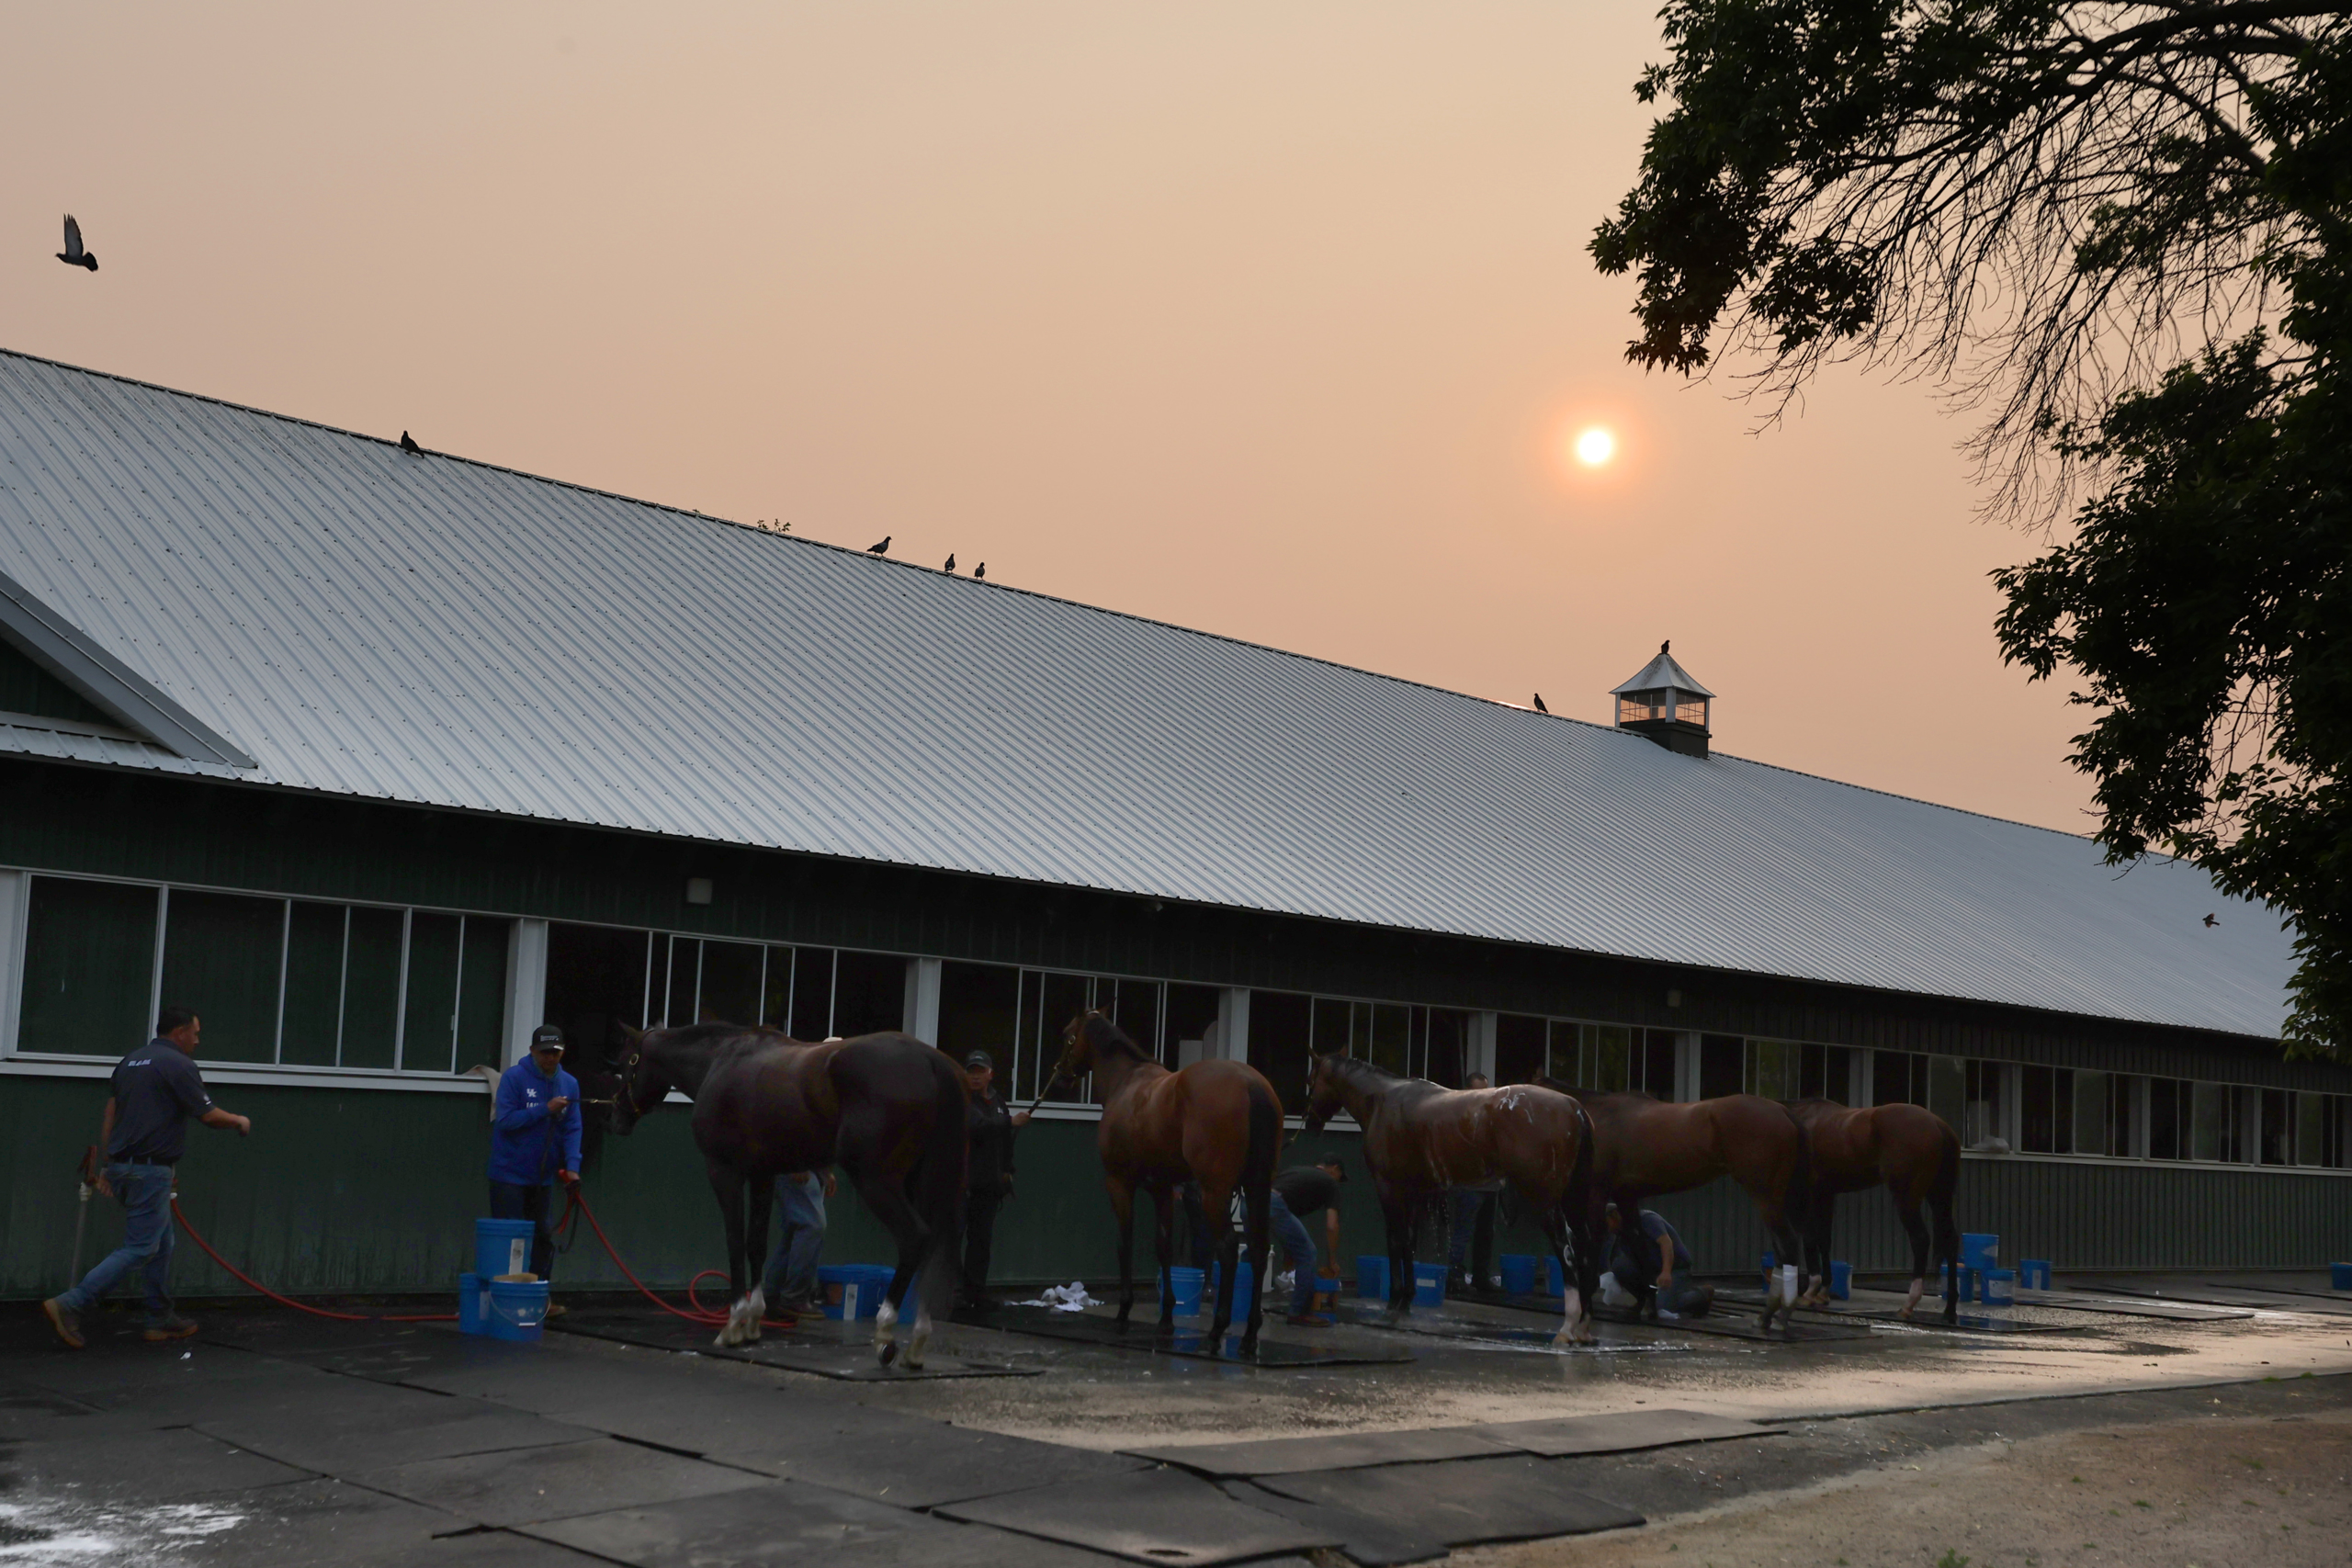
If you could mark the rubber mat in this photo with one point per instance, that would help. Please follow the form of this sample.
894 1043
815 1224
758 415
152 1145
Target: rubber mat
1083 1328
1515 1497
884 1455
1928 1316
2124 1306
849 1358
148 1466
366 1427
328 1522
786 1524
1623 1431
2206 1292
1717 1325
1337 1451
1373 1542
1153 1516
526 1486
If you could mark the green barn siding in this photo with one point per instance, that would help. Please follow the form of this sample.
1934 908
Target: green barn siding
109 824
373 1191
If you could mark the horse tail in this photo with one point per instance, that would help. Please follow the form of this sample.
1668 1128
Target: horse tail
1940 1200
939 1181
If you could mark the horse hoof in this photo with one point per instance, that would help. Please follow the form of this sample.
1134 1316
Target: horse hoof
890 1352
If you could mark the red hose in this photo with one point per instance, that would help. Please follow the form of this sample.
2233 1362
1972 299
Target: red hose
698 1314
193 1235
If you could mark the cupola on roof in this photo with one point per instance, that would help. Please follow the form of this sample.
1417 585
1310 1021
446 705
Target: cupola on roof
1664 703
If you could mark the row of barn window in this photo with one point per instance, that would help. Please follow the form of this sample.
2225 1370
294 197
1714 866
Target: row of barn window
313 983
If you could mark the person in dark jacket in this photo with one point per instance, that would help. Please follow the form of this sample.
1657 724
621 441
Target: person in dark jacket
144 1132
989 1126
535 1139
1650 1252
1300 1192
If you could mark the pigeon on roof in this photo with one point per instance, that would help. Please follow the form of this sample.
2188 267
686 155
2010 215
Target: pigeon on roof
408 443
980 571
1539 703
73 255
881 549
950 562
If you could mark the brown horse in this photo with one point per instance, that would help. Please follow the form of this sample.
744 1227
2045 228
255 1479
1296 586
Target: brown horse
1217 1122
1420 1140
885 1108
1644 1147
1909 1149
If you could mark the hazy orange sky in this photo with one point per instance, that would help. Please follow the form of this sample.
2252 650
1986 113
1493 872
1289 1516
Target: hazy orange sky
1272 320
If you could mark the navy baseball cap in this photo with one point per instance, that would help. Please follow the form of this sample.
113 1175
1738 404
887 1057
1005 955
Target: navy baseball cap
547 1037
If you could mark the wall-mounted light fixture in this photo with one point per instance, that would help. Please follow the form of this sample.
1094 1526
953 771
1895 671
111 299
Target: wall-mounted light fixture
697 889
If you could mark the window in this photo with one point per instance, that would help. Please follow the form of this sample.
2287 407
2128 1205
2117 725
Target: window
1899 1077
2167 1119
1773 1069
1280 1025
277 981
1521 1047
2093 1113
2213 1134
1721 1066
2276 1141
89 959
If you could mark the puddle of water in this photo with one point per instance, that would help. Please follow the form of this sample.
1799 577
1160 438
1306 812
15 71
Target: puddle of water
52 1533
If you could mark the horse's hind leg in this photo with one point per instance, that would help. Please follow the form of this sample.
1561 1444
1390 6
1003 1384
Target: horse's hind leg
1906 1209
1122 1209
1219 1201
728 1184
1163 1238
1818 1223
760 1200
885 1198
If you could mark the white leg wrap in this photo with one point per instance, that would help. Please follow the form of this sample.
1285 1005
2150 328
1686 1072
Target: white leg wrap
1911 1303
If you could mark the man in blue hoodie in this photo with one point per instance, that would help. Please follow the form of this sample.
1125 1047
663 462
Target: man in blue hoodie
535 1138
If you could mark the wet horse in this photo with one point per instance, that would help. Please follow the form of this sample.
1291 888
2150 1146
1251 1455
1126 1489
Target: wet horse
1217 1122
885 1108
1915 1154
1644 1147
1420 1140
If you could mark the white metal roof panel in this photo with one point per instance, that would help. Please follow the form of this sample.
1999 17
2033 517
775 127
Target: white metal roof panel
367 623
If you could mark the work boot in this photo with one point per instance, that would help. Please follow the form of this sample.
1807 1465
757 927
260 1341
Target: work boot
556 1309
171 1327
66 1320
805 1305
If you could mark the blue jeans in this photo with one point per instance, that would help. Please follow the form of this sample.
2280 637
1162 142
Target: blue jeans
1298 1246
514 1201
800 1211
145 1192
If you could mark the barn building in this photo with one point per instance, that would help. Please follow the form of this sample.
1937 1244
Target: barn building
381 759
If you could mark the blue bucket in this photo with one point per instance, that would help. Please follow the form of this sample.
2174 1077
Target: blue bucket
1243 1281
1519 1273
1770 1263
852 1290
469 1305
1428 1285
1841 1282
1979 1252
1555 1278
517 1308
1372 1277
503 1246
2033 1273
1185 1285
2000 1287
2340 1276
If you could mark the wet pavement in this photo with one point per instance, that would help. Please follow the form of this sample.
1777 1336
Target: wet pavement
277 1440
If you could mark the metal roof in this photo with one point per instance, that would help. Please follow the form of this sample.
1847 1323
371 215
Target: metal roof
1657 675
367 623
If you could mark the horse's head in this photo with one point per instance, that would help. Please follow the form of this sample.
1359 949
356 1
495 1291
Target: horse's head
1323 1099
1079 1050
640 1081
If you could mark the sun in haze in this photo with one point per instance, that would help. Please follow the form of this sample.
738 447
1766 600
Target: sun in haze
1595 445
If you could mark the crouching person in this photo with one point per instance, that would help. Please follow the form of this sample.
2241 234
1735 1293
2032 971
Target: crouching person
1650 1254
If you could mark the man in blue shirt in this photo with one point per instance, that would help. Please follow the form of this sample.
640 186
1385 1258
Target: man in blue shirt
535 1138
144 1132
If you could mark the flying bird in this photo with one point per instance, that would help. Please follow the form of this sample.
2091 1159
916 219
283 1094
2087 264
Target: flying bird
881 549
2211 921
980 571
950 562
1539 703
73 255
408 443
